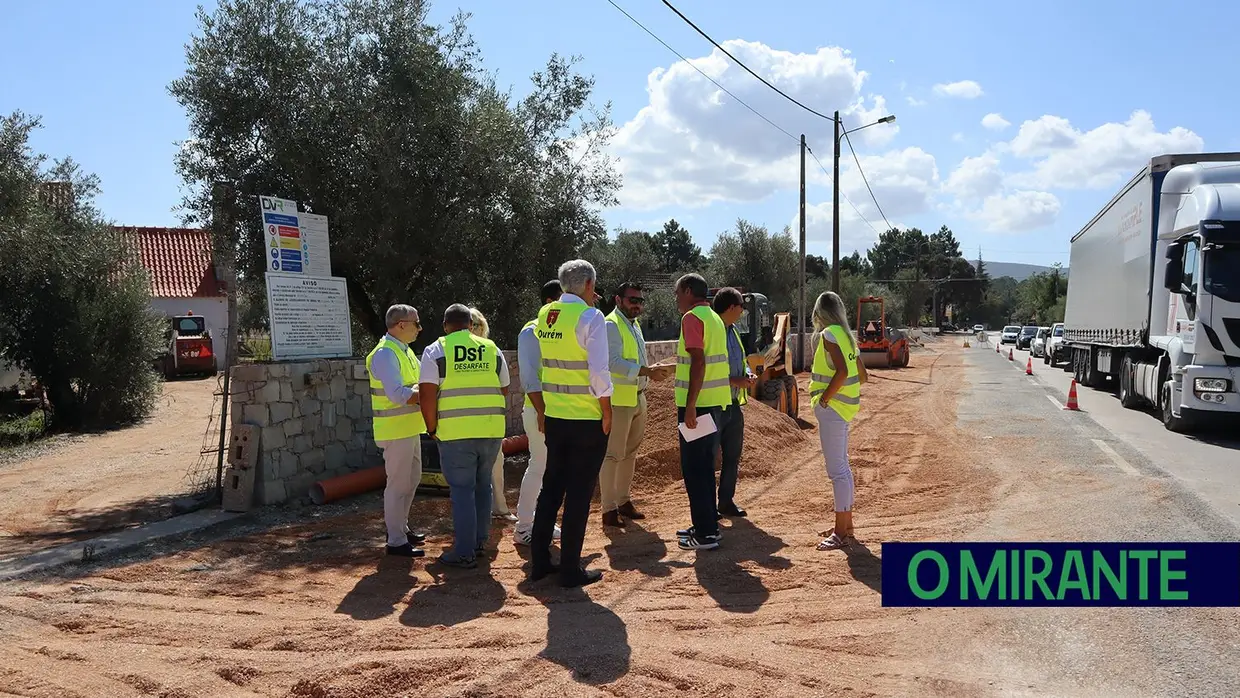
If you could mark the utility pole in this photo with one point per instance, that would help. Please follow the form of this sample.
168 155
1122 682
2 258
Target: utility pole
835 209
801 307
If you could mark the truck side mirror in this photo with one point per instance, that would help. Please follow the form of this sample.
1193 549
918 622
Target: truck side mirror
1173 275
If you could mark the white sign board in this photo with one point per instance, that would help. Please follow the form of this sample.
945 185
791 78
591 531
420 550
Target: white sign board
309 317
296 243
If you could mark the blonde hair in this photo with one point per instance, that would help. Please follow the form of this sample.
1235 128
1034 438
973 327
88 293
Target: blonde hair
480 328
829 310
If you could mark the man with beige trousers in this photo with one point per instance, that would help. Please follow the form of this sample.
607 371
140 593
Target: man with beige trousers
630 373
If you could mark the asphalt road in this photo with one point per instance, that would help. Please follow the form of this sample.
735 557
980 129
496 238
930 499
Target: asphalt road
1072 476
1207 465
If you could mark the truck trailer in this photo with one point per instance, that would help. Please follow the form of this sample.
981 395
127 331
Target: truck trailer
1153 306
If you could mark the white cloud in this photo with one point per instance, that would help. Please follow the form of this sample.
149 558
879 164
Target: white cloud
914 102
693 144
963 89
1068 158
995 122
958 137
975 178
1017 212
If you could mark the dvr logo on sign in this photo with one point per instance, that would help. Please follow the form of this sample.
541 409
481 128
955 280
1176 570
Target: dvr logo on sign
270 204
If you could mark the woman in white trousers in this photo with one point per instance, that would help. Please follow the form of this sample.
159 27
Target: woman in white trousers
831 329
499 503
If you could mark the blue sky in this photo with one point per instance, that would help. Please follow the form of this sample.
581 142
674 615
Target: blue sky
1065 78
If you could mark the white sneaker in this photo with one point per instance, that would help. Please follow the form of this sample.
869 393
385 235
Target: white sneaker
523 537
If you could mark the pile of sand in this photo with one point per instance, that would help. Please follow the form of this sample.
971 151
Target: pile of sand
768 436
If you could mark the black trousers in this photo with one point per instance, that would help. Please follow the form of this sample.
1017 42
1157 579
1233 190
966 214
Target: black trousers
731 442
575 451
697 466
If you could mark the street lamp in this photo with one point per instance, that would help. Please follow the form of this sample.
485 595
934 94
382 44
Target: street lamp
835 202
835 228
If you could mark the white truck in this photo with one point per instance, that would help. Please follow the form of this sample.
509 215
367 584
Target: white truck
1153 306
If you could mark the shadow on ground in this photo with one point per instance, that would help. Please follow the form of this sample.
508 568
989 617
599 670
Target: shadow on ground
722 575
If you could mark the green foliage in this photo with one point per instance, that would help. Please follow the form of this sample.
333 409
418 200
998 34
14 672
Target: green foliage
74 303
440 187
760 261
676 249
16 430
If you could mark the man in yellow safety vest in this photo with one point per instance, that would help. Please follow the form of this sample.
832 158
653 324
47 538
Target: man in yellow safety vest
576 417
729 304
464 387
626 352
703 392
398 425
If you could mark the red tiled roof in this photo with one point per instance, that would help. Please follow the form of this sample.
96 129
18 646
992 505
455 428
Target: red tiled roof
179 261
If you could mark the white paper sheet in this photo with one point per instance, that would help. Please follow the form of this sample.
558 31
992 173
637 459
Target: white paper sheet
705 427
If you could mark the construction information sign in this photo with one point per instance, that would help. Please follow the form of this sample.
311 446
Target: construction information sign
297 243
309 317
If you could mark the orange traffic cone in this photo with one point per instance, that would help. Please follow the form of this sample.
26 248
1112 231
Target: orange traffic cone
1072 397
1010 355
996 348
1029 367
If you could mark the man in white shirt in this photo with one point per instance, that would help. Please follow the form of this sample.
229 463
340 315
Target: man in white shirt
529 362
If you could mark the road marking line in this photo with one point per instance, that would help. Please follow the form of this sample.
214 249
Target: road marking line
1032 382
1116 458
1055 402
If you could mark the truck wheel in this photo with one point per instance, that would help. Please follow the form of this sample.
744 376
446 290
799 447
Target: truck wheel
1173 423
1127 396
793 399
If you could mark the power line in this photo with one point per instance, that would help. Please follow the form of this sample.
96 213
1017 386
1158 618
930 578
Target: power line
737 61
850 203
866 180
699 70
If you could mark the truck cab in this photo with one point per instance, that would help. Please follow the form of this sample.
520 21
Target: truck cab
1195 316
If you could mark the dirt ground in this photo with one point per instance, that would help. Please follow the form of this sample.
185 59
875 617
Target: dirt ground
312 610
70 488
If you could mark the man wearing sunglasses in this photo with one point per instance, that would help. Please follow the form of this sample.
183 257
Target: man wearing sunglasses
398 425
630 372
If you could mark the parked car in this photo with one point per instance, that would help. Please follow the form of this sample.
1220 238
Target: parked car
1039 341
1009 335
1025 338
1054 345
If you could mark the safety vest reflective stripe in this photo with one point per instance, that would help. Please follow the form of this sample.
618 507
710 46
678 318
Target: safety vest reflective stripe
847 401
565 365
624 388
391 421
470 403
716 390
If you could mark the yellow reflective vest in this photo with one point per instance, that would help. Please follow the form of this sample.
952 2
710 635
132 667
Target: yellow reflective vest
624 389
742 395
847 401
471 404
565 363
393 421
716 388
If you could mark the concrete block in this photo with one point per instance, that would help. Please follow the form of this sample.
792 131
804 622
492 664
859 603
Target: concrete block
292 427
239 489
244 447
281 412
257 415
359 373
270 467
270 392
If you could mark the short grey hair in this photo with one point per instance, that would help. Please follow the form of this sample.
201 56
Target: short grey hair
399 313
575 274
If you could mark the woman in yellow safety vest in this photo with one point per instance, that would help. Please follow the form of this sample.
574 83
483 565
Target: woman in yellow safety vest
835 391
499 502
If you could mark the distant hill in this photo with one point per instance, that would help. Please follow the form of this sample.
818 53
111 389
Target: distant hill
1016 270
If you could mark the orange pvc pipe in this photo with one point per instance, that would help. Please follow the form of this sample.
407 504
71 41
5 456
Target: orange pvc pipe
334 488
515 444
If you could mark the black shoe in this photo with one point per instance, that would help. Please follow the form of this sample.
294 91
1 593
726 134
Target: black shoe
687 532
416 538
405 550
450 559
537 572
628 511
584 578
718 515
732 510
699 542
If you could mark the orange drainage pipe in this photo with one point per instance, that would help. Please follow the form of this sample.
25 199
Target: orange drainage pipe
368 479
334 488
